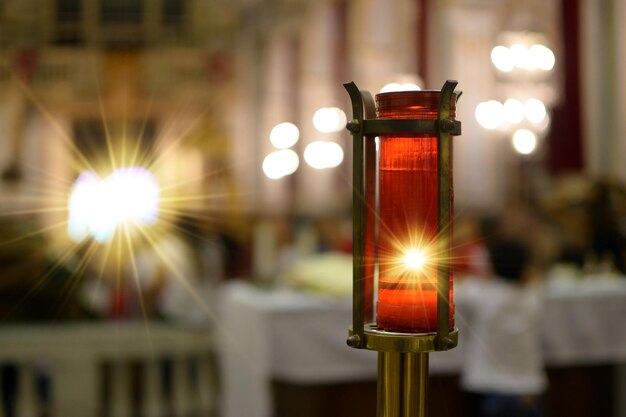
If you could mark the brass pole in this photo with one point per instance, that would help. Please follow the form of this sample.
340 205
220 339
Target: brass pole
402 384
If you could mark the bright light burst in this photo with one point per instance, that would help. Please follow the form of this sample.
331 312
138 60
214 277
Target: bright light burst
97 207
414 259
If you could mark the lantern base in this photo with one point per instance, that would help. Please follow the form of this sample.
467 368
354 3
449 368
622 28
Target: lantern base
384 341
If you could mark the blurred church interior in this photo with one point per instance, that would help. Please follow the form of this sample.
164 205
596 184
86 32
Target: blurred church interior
220 286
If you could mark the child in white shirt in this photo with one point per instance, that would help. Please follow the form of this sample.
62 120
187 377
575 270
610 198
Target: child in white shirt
502 371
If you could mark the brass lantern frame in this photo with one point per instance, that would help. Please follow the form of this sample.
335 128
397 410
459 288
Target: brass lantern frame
402 357
364 127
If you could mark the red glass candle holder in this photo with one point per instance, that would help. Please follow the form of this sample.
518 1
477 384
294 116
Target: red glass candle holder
409 238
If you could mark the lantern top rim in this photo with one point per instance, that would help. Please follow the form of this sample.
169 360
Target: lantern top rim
422 104
409 93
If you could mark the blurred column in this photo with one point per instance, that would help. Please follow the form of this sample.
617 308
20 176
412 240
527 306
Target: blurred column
243 117
620 108
462 35
181 405
382 41
152 405
27 402
120 405
316 85
603 60
49 143
16 126
279 104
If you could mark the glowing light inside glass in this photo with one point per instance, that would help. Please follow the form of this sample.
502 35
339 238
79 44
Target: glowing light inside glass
414 259
408 216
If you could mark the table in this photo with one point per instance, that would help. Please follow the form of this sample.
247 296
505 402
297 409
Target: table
300 337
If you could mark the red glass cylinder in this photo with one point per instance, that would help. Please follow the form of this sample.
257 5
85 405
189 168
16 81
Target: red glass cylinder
408 237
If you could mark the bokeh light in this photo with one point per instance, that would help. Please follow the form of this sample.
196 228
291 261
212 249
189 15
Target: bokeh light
395 87
322 154
502 59
281 163
284 135
538 56
524 141
535 110
513 111
520 55
490 114
329 119
542 57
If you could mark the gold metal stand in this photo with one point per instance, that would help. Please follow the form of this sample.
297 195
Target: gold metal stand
402 384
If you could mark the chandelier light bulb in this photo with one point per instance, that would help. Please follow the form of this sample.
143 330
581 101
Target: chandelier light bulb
281 163
524 141
284 135
329 119
395 87
502 58
513 111
535 110
490 114
542 57
520 56
321 154
334 155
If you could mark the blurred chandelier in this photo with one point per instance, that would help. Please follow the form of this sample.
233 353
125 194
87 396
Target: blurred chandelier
319 154
524 65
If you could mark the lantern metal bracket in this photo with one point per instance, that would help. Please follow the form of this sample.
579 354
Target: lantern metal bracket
364 128
386 126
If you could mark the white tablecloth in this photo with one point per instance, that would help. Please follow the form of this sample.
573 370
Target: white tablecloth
300 338
585 321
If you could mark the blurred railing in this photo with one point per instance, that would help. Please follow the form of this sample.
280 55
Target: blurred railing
116 369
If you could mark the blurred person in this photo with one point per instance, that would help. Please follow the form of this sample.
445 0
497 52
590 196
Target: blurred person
334 234
503 372
36 287
608 241
471 258
171 276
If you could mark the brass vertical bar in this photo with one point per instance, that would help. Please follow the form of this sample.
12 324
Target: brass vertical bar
358 219
444 147
362 107
443 238
358 195
371 229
